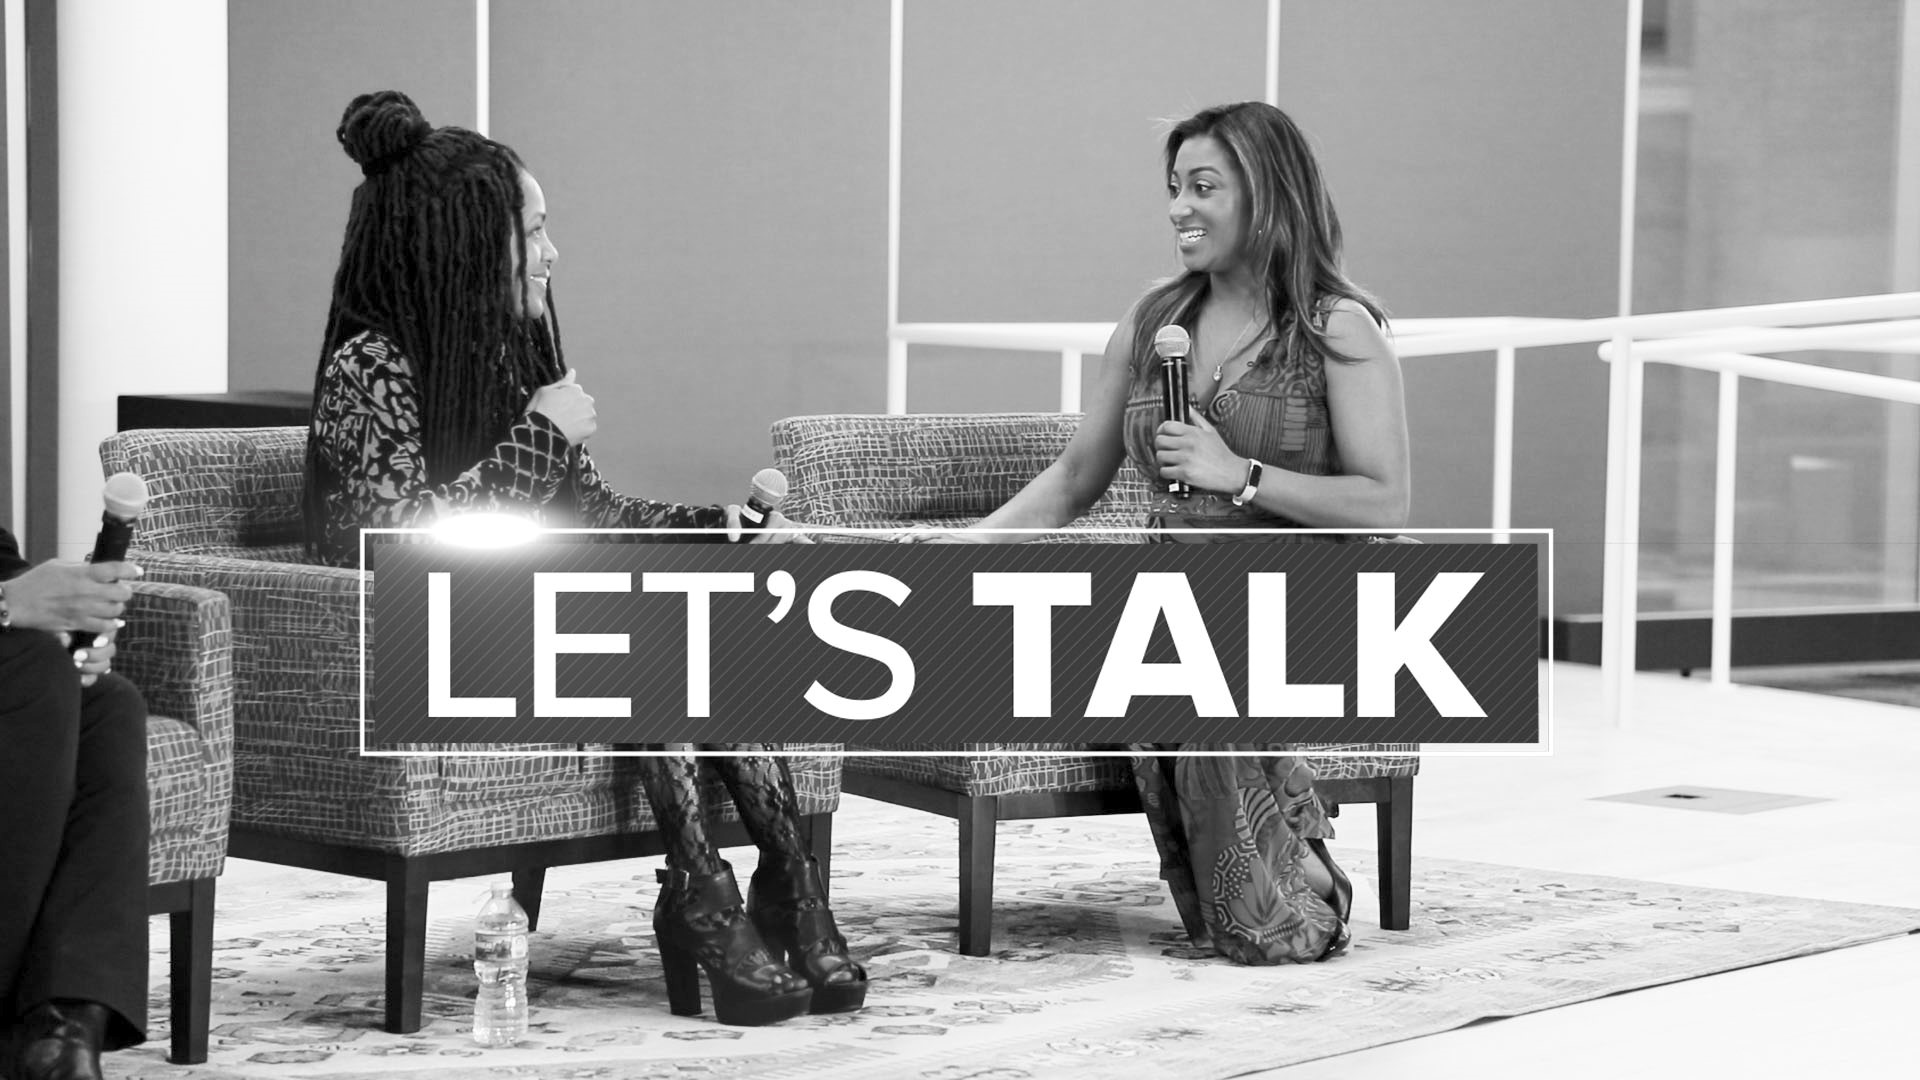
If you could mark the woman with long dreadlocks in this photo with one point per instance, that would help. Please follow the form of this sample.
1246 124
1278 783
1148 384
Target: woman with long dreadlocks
442 389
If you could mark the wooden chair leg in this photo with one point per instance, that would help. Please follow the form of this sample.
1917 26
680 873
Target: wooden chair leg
979 817
819 829
527 884
1394 828
190 975
406 944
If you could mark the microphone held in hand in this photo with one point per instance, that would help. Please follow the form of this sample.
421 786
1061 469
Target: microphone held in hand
768 491
125 497
1172 344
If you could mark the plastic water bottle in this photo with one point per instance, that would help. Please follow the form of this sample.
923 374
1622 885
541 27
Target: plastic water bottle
500 962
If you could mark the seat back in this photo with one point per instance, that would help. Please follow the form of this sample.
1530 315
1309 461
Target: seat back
897 471
216 491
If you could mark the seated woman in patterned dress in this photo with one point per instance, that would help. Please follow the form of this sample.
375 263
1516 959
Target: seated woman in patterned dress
1298 420
441 389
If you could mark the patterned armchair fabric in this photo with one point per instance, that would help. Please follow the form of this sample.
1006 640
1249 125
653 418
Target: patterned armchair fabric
223 513
896 472
886 473
177 647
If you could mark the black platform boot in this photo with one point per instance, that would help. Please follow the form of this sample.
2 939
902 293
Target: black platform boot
788 903
700 922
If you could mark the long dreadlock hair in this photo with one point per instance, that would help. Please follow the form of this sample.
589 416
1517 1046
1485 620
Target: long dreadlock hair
433 257
1292 234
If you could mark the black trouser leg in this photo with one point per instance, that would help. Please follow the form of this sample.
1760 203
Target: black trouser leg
73 872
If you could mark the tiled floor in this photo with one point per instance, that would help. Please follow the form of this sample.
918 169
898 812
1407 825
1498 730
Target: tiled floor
1852 1009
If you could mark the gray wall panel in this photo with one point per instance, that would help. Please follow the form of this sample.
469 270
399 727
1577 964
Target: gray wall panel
1474 154
716 176
293 66
1030 173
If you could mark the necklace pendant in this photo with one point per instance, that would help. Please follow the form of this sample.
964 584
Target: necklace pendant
1217 370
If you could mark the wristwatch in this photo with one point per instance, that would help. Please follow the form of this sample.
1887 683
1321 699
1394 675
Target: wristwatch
1253 483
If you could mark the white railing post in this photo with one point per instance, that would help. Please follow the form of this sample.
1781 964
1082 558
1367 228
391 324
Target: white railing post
1630 548
1610 541
1723 510
1502 443
1069 380
896 376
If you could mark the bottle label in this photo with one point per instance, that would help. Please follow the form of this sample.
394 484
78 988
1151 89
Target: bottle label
499 948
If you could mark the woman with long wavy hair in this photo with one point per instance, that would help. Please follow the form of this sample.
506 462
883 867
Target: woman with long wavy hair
1297 421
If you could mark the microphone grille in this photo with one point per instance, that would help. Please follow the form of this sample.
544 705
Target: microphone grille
770 487
1172 342
125 495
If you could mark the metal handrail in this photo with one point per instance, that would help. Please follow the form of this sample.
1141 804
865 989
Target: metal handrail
1707 352
1731 332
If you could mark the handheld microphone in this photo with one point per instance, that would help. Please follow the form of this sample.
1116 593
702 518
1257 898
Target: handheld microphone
768 491
1172 344
125 497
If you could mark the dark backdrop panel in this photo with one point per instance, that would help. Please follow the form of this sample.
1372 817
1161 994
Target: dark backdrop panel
716 176
292 67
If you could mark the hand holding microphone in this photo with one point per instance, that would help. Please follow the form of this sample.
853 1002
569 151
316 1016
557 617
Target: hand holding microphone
569 407
125 497
760 521
82 602
1172 344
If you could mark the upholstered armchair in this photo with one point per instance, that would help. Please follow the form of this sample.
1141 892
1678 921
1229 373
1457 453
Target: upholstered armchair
224 513
894 472
177 648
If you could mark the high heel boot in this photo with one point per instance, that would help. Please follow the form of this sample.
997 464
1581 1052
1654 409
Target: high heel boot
788 903
700 922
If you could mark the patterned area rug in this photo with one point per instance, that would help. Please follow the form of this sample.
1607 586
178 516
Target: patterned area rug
1091 976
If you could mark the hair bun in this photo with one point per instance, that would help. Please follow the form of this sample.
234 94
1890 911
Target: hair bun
379 128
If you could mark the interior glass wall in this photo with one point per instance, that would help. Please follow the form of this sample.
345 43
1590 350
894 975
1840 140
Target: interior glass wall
1768 171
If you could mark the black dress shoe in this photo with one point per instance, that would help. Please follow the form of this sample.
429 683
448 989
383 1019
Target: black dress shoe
60 1040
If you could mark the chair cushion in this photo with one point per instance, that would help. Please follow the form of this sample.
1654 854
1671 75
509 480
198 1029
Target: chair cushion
424 805
960 768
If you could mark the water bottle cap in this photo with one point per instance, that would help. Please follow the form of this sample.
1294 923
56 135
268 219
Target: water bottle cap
502 888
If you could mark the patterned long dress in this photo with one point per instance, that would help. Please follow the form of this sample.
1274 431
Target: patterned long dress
1234 833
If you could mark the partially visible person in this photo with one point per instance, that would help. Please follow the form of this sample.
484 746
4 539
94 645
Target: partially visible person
1298 420
442 389
73 804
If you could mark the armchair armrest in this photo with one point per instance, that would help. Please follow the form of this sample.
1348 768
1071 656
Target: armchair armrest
296 641
177 648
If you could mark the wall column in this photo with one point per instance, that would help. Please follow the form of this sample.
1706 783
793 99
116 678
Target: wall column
143 223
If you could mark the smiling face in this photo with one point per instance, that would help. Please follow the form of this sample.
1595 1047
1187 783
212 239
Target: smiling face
1208 206
530 299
